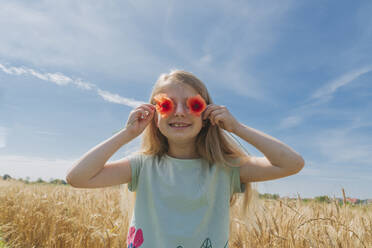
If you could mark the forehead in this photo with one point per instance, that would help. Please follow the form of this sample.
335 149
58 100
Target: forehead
177 90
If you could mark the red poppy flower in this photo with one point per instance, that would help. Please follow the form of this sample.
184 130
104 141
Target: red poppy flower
196 105
134 241
164 105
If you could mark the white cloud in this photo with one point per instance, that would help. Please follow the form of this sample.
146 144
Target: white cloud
19 166
36 74
115 98
34 167
105 37
84 85
13 70
58 78
290 121
316 102
330 88
345 146
62 80
229 38
340 146
142 39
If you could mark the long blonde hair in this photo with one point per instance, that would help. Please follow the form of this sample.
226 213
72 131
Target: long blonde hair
212 143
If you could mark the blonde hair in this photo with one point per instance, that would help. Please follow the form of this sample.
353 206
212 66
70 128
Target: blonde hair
212 142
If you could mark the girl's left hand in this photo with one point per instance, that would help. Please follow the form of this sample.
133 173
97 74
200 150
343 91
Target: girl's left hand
221 116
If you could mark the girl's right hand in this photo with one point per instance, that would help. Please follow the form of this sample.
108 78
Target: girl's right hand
139 118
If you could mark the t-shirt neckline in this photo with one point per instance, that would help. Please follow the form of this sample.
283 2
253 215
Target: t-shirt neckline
182 160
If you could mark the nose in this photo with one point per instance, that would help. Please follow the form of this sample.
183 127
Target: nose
180 110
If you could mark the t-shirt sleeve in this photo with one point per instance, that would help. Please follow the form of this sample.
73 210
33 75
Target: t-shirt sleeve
236 185
136 161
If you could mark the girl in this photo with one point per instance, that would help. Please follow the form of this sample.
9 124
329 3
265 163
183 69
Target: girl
188 169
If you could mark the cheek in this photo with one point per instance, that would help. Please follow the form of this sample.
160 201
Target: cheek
159 121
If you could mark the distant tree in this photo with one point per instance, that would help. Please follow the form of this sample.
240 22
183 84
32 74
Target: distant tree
269 196
323 198
57 181
7 177
39 180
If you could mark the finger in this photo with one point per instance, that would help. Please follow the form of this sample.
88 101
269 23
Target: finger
138 115
147 107
214 113
151 106
208 110
221 109
145 111
145 114
218 119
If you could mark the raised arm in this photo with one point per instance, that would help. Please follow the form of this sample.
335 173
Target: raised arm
279 161
92 171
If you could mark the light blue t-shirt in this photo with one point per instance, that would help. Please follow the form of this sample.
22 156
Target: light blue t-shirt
181 203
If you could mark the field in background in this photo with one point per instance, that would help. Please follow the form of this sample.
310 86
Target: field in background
36 215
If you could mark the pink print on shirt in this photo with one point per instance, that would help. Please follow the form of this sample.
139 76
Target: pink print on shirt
134 239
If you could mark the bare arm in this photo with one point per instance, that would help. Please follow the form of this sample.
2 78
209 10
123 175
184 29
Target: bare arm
280 160
93 162
92 171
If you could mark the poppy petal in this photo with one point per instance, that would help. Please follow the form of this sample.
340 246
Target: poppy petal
196 105
164 105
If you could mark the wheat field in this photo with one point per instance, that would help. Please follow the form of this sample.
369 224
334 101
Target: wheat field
33 216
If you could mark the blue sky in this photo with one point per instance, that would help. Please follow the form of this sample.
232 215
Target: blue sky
300 71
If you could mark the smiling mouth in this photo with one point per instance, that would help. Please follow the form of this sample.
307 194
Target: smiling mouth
179 125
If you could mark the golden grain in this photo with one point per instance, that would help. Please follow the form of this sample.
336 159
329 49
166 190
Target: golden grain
62 216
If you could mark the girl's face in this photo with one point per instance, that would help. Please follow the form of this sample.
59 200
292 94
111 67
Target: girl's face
179 93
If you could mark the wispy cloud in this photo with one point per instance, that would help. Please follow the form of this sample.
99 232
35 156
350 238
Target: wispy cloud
340 151
343 146
64 36
320 97
290 121
63 80
20 166
115 98
34 167
223 49
109 38
57 78
330 88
